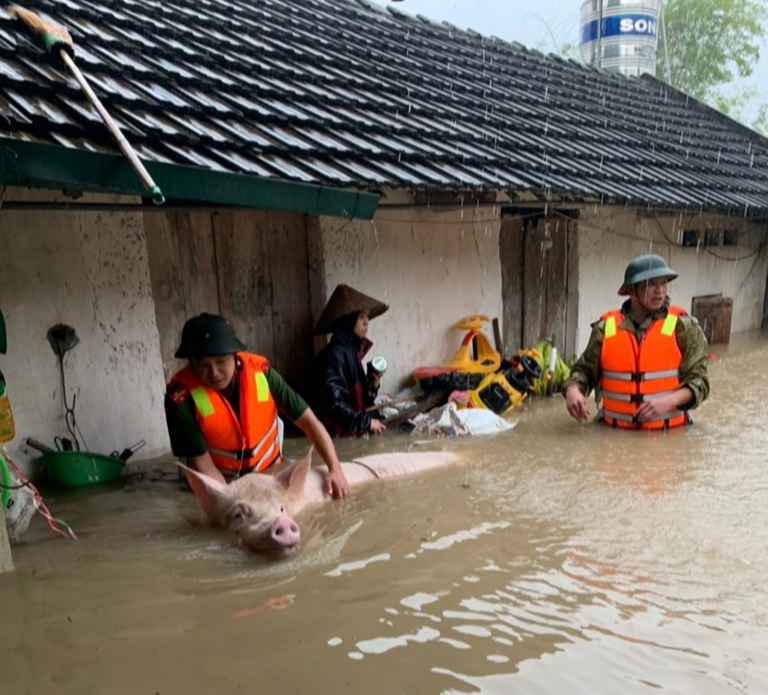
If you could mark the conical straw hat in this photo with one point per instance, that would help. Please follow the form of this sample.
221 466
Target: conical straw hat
344 301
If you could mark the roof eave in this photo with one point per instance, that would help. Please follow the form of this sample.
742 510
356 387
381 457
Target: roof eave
39 165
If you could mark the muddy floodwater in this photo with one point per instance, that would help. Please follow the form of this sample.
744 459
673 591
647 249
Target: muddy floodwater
559 558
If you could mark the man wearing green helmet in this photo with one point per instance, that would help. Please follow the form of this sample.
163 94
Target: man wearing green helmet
647 362
222 409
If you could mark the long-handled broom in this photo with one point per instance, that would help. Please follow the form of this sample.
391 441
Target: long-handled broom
57 40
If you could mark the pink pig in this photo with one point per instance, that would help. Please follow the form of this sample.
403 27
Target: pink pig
259 508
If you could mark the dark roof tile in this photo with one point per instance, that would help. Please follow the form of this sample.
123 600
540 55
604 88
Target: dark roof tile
347 93
196 156
39 109
245 133
14 72
326 171
288 168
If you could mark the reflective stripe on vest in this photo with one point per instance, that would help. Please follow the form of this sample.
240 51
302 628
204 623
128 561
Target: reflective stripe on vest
667 329
636 376
243 441
636 398
669 325
262 387
629 418
242 454
202 402
623 386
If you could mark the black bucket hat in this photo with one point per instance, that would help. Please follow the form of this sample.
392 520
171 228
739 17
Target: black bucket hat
208 335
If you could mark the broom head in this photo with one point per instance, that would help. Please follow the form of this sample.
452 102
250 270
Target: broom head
54 38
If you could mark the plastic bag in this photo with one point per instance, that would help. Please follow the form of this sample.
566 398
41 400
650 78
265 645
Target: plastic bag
19 501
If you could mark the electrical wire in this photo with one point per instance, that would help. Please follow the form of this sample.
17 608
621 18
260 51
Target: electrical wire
760 247
534 212
607 230
69 413
14 487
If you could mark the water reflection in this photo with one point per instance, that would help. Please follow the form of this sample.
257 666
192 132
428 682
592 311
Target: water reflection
559 559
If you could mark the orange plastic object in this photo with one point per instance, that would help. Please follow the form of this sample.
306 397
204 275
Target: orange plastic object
429 372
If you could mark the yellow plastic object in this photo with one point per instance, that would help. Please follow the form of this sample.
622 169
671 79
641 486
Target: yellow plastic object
487 361
515 397
555 370
531 352
7 427
472 323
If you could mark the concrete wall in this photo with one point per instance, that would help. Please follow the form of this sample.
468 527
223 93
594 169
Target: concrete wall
432 267
88 270
610 237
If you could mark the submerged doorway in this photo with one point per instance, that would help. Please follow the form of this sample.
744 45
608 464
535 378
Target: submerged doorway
539 278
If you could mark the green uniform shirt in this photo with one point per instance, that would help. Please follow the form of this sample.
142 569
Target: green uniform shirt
186 437
690 339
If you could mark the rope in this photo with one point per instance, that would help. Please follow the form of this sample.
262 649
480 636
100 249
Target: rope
50 520
365 465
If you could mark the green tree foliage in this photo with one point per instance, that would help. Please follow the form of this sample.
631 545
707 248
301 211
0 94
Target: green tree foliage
760 123
711 42
737 101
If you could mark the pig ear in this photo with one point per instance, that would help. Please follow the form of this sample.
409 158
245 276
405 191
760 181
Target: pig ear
294 476
207 490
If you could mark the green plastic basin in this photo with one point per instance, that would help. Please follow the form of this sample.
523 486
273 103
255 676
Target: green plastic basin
77 468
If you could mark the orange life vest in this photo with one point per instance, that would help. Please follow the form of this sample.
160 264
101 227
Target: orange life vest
237 446
632 373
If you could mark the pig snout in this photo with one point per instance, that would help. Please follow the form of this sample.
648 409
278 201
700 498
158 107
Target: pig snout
284 532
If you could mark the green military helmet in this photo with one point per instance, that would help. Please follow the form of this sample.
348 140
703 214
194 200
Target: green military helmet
644 268
208 335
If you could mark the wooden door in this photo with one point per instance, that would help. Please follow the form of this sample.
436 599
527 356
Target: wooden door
249 266
538 262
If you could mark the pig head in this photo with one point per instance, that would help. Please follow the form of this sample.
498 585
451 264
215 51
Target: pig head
256 508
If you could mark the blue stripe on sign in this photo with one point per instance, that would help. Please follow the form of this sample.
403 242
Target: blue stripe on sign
621 25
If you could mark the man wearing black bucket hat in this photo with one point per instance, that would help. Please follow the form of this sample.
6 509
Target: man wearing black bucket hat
222 409
343 391
647 362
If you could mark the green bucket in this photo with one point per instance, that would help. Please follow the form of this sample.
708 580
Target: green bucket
78 468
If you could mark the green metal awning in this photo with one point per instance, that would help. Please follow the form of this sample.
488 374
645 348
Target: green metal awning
36 165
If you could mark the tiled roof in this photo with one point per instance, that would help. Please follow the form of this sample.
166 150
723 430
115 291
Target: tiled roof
350 94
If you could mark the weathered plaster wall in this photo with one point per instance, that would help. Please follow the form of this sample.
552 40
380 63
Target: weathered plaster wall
88 270
610 238
432 267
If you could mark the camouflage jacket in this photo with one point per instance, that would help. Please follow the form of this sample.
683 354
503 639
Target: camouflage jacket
690 339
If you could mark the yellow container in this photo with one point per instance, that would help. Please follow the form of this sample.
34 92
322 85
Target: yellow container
515 397
7 427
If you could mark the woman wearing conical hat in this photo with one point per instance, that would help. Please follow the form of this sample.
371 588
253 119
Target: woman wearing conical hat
342 390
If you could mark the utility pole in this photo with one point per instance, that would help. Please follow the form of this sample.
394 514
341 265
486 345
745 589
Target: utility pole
666 53
6 562
600 35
